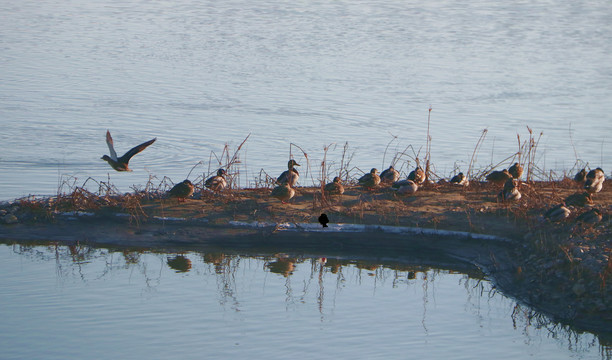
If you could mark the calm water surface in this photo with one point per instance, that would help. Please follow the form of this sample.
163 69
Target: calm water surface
77 302
200 74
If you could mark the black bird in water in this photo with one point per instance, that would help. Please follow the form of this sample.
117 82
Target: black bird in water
324 220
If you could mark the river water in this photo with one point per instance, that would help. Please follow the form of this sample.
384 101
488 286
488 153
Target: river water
198 75
59 302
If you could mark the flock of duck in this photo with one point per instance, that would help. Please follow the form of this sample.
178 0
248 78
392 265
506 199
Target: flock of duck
591 181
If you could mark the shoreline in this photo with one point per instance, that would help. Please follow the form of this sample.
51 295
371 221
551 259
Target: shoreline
530 260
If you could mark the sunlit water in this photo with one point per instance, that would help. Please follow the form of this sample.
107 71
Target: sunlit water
79 302
200 74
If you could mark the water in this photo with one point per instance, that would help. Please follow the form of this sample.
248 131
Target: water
61 302
200 74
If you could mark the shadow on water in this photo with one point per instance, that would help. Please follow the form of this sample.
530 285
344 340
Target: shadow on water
226 266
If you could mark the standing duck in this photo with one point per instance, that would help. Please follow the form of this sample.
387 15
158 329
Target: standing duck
516 170
217 183
499 177
182 190
370 180
335 187
289 176
417 175
594 180
283 192
121 164
389 176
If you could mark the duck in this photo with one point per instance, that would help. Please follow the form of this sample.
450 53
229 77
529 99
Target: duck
217 182
580 176
499 177
121 163
557 213
459 179
283 192
405 187
389 176
579 199
291 175
510 192
335 187
370 180
592 216
182 190
516 170
417 175
594 180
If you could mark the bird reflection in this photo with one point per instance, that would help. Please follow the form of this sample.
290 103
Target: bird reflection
283 266
179 263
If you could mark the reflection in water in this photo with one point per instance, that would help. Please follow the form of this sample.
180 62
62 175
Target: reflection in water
320 281
179 263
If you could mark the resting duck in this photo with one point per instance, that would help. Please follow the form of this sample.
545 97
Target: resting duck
417 175
580 177
370 180
389 176
516 170
592 216
405 187
557 213
579 199
182 190
283 192
499 177
510 191
217 182
459 179
594 180
121 164
335 187
291 175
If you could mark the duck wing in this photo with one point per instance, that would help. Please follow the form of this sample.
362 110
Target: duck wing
111 148
135 150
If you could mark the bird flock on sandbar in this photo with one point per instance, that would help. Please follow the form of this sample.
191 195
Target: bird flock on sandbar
285 185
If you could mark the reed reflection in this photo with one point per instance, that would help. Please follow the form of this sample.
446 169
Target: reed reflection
317 281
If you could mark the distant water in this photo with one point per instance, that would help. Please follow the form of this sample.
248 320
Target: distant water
77 302
200 74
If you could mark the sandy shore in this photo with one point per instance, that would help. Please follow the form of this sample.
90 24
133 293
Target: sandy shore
558 268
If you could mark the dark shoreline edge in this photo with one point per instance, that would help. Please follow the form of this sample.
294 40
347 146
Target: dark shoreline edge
496 257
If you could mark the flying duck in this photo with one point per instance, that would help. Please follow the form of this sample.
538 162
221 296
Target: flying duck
121 164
